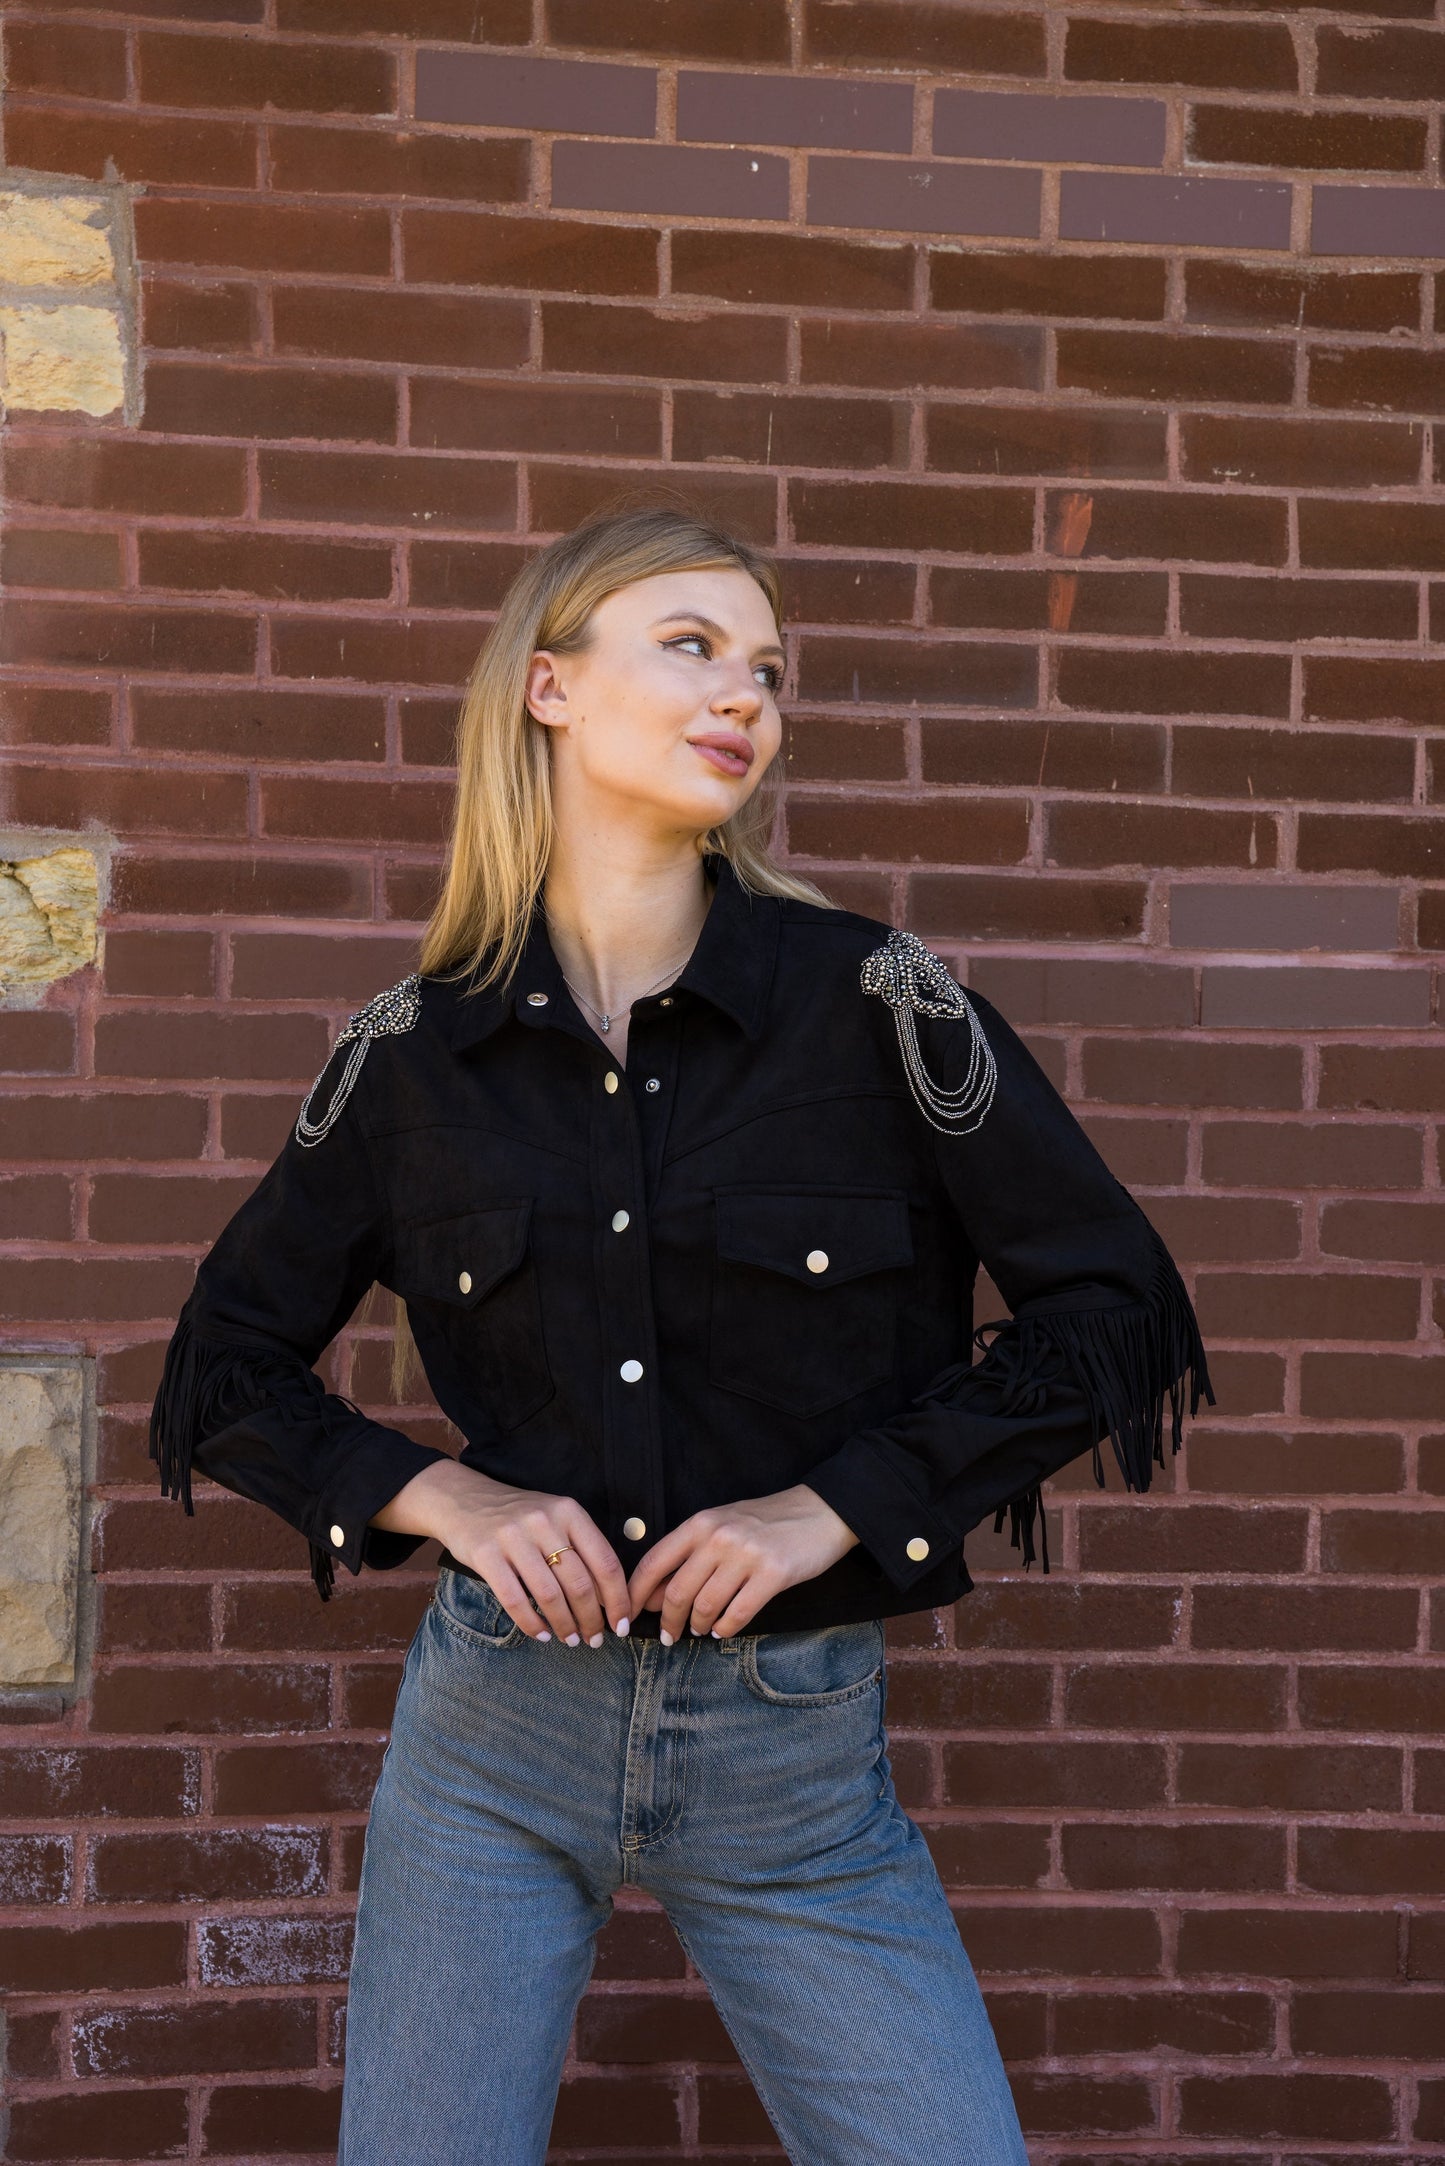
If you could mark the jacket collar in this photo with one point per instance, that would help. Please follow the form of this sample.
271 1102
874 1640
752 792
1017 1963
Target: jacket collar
731 965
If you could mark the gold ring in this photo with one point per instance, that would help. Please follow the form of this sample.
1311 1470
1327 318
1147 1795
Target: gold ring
556 1553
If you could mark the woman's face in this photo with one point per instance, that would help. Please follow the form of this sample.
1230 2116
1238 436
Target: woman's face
672 709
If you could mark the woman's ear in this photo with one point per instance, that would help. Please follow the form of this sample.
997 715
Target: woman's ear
545 696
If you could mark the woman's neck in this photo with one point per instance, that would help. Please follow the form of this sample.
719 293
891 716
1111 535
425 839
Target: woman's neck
619 929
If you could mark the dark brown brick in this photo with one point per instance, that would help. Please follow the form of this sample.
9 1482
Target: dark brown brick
1113 680
599 339
219 318
781 429
1175 365
1383 842
113 473
790 270
1158 523
319 161
387 489
1322 1305
59 557
1263 135
1106 834
1128 1854
1048 284
1023 601
257 236
670 179
1191 1538
279 566
903 356
1311 1154
1158 1697
51 715
927 34
913 515
952 673
98 2124
252 72
992 831
695 29
1291 1778
1075 1940
263 2118
558 255
161 150
1265 1941
1300 609
79 59
1382 1541
436 329
1356 2108
1383 2026
1372 1861
1220 292
1024 908
196 398
181 886
1042 440
1060 1614
450 575
232 1699
1049 755
1061 1775
1346 534
1389 379
217 2037
90 636
1148 2022
1213 55
110 1958
1292 764
1302 454
1393 63
1397 1231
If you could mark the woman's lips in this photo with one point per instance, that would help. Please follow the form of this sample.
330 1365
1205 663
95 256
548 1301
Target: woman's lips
728 763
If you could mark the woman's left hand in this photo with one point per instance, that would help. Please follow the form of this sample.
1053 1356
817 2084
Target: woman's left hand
717 1569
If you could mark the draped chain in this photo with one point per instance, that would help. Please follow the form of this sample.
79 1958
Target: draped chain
914 981
395 1010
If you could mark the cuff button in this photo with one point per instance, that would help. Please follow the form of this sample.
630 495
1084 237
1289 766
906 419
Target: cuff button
918 1549
338 1537
464 1282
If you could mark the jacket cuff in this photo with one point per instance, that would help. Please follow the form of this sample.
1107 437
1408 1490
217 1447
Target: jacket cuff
382 1462
906 1538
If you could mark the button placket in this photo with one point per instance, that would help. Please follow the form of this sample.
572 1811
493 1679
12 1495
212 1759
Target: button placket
631 1425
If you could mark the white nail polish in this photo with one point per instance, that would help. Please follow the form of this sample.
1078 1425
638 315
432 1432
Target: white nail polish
623 1627
596 1640
574 1639
544 1635
665 1636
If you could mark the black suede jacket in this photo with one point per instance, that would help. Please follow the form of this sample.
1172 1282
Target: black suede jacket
743 1260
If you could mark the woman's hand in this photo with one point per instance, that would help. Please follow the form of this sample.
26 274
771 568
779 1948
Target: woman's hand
506 1535
724 1563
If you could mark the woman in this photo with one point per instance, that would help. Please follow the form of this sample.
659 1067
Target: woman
683 1176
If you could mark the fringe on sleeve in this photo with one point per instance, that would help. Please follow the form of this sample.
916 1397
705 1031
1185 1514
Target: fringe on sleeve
1127 1361
209 1384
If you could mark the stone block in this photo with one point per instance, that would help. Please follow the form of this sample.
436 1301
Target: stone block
55 240
55 360
48 909
41 1419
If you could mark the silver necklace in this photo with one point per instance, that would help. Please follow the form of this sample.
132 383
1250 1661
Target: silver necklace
606 1020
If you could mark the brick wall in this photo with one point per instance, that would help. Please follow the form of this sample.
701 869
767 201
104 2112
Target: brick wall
1082 364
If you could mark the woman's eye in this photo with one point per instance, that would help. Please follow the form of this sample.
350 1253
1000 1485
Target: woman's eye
689 639
771 676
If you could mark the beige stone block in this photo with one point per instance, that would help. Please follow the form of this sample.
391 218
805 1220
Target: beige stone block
62 359
41 1411
61 240
48 910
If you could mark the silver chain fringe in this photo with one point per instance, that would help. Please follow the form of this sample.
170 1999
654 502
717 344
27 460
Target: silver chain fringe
390 1012
910 977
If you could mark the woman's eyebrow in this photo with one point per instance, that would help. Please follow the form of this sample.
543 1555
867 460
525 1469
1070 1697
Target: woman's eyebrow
709 624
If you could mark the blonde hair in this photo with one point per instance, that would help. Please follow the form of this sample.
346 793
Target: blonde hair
502 821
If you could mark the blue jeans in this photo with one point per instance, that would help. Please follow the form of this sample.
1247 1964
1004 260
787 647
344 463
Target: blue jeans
745 1784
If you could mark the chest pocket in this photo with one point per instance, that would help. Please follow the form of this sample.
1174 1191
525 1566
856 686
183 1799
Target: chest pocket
478 1272
805 1293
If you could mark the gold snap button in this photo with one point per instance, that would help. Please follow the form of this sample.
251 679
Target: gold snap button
634 1528
918 1549
666 1001
338 1537
609 1081
536 1000
817 1259
620 1220
464 1281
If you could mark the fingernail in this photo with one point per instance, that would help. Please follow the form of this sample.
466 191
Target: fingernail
544 1635
596 1640
622 1627
715 1633
665 1636
574 1639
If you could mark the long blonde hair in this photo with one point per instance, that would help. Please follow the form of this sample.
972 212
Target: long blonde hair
502 820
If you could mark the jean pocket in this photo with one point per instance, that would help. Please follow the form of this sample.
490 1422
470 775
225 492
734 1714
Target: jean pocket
471 1612
823 1668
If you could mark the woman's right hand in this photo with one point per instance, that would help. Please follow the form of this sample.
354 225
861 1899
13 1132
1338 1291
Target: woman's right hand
506 1535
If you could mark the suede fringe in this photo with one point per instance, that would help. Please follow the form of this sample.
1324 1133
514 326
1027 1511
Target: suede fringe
209 1384
1126 1361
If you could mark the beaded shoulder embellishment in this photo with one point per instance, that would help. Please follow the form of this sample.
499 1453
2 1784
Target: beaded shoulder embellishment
912 979
388 1013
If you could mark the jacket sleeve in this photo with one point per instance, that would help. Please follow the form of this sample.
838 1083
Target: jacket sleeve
239 1398
1101 1335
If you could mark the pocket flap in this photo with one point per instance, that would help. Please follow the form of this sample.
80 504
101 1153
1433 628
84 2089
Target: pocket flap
845 1232
461 1259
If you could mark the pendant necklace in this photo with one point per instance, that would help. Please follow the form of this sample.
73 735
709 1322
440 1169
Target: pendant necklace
606 1020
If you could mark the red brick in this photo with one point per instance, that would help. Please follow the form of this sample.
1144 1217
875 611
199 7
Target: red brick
943 905
1062 601
1128 1855
1175 1072
47 715
213 2038
1061 1775
113 473
1371 1697
1291 1778
262 2119
1174 365
207 1865
105 1957
459 414
916 672
965 439
1045 284
989 1854
1392 63
1136 2023
744 503
927 356
255 236
558 255
1385 378
79 59
1372 1861
97 2124
218 318
1323 1305
1082 2105
1084 1940
935 516
181 886
1261 135
1198 528
1403 1079
1312 1154
387 489
270 1949
176 69
988 831
1293 763
438 330
1308 455
1170 1696
1382 2026
89 636
314 160
1352 2108
60 557
305 1778
1213 55
231 1699
1250 1462
1262 295
1132 1537
1265 1941
160 149
826 748
602 339
913 34
1186 681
